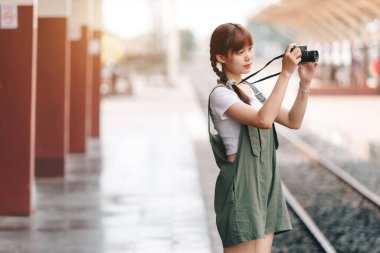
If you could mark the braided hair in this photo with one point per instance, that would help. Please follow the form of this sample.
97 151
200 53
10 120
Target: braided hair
226 38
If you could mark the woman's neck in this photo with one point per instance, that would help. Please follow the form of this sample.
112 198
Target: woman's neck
236 77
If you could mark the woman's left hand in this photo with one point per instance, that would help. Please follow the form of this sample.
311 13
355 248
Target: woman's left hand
306 71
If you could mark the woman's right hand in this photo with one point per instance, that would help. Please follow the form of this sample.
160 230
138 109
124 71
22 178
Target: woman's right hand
291 59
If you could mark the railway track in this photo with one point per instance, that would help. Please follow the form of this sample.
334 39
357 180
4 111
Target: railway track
337 212
345 211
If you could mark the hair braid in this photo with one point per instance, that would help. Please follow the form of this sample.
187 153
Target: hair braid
221 74
223 40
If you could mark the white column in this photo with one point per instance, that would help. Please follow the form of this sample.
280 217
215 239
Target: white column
173 44
80 16
54 8
98 16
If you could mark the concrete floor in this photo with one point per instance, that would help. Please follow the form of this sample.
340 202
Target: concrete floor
135 190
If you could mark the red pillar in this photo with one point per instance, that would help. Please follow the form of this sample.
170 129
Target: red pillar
17 109
52 114
89 85
79 92
96 81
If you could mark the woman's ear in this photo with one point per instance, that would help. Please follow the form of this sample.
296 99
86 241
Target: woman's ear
220 58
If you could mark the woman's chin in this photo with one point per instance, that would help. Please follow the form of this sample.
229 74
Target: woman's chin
246 71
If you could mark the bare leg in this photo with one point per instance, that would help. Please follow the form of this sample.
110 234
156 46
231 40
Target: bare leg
264 244
260 245
244 247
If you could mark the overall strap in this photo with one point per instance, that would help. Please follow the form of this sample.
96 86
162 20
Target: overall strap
209 108
257 93
262 99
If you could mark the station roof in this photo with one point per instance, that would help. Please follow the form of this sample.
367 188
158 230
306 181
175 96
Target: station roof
322 20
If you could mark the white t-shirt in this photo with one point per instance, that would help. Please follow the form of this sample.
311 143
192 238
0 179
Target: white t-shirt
228 128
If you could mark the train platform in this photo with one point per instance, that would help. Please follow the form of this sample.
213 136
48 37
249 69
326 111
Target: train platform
147 184
135 190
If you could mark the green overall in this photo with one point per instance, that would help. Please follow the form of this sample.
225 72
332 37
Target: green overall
249 202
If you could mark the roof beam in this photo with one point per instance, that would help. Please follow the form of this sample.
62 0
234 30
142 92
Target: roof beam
325 20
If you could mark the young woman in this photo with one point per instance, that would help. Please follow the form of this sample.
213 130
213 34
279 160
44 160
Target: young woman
249 203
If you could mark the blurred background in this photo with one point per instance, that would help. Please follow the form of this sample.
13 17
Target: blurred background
103 132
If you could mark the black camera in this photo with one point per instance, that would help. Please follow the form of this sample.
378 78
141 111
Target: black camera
307 56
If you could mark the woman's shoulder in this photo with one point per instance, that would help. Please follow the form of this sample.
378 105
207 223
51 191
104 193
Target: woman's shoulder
220 92
221 98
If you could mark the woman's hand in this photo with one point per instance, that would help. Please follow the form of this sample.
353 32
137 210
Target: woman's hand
306 72
290 59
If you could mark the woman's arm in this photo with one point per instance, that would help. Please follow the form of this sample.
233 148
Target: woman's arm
265 117
293 118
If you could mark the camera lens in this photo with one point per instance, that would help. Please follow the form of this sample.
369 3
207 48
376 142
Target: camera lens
310 56
315 56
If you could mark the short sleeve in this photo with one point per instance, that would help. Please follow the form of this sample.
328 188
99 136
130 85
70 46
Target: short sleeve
221 99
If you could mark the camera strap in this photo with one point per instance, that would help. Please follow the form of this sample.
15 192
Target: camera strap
265 78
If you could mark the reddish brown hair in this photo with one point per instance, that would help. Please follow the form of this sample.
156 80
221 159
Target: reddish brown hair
228 38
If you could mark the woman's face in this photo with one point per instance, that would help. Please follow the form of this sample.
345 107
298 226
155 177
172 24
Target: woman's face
239 62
